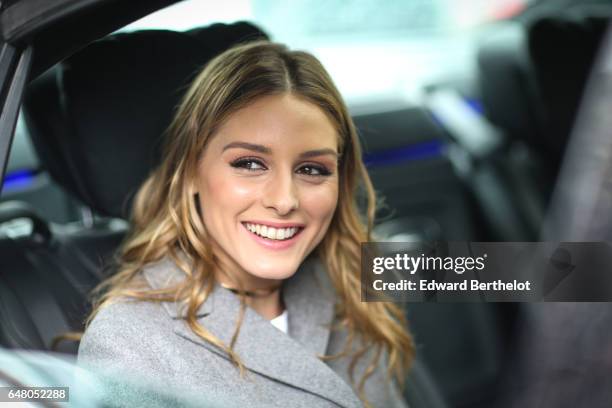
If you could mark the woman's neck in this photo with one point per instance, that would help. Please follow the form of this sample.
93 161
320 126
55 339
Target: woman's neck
264 298
269 306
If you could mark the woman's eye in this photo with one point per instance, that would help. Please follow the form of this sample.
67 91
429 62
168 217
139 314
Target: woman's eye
314 170
248 164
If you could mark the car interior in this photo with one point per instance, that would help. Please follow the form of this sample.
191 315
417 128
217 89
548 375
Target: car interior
475 159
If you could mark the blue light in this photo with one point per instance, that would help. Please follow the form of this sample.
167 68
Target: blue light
475 104
18 180
418 151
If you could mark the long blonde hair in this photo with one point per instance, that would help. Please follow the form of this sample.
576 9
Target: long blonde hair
165 221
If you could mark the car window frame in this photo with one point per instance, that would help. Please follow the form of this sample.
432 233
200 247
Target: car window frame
14 68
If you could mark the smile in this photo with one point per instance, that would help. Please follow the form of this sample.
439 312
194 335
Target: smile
272 233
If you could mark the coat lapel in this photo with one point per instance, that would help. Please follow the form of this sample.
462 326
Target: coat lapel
263 348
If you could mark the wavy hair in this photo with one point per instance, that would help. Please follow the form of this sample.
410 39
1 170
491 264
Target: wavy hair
165 219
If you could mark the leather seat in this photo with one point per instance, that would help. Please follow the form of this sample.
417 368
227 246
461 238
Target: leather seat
46 273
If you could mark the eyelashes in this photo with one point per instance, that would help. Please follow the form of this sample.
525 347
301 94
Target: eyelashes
248 164
314 170
255 165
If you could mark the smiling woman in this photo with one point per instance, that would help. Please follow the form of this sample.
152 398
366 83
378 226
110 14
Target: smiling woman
284 181
252 219
267 203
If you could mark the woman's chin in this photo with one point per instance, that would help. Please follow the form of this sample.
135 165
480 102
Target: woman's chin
274 272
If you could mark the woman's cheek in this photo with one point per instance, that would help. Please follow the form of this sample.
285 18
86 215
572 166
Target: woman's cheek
232 187
321 201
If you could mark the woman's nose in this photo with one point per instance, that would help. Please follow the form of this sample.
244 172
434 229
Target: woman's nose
281 193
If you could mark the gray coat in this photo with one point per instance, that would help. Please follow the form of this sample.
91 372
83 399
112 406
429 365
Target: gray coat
152 341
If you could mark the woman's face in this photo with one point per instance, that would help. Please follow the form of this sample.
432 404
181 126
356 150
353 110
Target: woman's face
268 187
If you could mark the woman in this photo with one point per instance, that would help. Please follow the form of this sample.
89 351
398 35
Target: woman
252 219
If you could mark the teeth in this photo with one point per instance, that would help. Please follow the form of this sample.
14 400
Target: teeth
272 233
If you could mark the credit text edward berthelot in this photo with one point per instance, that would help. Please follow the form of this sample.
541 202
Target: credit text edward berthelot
405 263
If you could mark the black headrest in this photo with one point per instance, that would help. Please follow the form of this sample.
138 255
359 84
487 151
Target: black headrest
532 78
562 49
96 119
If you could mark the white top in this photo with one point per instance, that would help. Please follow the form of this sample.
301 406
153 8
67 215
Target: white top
281 322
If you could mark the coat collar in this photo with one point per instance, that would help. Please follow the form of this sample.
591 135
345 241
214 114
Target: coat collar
261 347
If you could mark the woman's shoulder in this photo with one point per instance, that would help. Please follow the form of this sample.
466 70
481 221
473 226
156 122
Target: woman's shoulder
123 325
126 315
126 347
124 322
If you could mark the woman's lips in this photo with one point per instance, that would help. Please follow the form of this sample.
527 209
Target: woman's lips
273 243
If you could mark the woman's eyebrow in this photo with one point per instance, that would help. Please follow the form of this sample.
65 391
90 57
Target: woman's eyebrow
319 152
249 146
266 150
